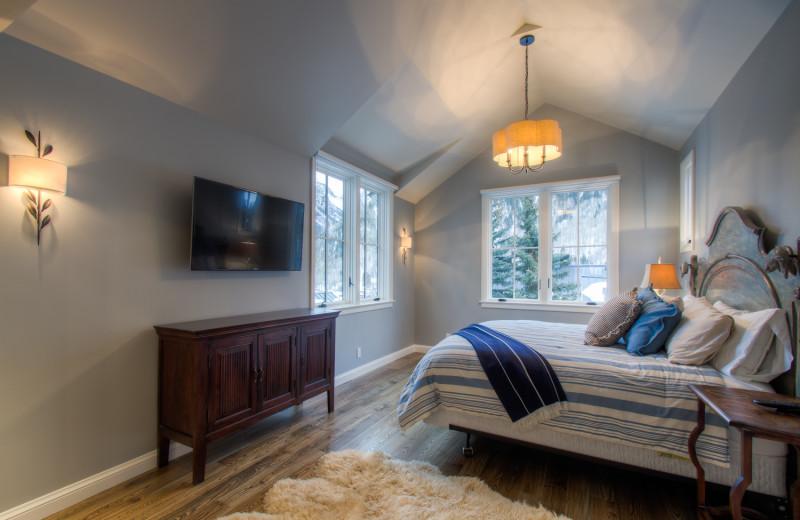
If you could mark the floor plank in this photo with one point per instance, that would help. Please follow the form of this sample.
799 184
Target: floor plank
244 465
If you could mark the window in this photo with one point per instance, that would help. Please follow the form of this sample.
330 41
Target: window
352 235
687 203
550 245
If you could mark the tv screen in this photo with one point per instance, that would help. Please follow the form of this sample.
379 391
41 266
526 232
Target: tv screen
242 230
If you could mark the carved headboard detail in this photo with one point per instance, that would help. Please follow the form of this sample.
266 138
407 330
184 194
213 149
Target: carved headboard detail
744 274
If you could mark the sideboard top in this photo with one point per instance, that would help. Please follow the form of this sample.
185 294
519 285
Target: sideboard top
243 323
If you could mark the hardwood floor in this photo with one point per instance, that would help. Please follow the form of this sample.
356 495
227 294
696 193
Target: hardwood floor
244 465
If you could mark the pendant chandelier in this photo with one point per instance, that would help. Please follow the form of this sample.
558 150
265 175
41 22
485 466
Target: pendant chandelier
526 145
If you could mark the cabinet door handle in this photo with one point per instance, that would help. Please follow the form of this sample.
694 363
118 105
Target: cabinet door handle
260 372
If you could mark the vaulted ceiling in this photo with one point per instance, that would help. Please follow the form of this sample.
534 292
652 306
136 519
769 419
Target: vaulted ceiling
416 87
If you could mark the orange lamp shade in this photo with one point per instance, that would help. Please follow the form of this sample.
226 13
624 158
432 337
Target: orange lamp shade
499 151
539 140
662 276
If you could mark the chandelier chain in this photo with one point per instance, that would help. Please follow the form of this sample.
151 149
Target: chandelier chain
525 115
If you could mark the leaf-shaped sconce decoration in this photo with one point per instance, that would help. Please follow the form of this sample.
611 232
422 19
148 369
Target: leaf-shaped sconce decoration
47 150
47 204
45 221
32 210
30 137
31 196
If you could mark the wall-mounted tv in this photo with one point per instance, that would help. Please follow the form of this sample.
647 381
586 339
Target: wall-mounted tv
234 229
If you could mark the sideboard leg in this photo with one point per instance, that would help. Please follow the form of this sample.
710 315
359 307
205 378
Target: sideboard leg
330 399
199 462
163 450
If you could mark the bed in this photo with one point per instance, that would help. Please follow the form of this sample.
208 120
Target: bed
638 410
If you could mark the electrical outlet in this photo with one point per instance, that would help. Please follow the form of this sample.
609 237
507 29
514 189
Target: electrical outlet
358 352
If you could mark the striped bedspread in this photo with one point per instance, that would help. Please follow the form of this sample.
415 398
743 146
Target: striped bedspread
611 395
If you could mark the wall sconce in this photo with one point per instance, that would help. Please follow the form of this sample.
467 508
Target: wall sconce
662 276
37 173
405 243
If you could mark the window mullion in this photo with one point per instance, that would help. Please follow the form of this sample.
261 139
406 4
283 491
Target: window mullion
545 253
378 251
578 245
514 221
327 234
354 193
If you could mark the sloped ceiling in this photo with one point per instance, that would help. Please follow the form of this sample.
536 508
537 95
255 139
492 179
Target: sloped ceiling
416 87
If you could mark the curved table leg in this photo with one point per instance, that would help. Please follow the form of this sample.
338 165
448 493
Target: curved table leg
701 474
738 489
794 495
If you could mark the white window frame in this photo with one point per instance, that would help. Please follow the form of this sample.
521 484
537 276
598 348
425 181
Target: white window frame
354 179
545 191
687 203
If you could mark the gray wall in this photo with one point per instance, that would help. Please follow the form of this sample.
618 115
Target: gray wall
448 220
747 148
77 347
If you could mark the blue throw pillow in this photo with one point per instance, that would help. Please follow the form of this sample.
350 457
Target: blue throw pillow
649 333
651 302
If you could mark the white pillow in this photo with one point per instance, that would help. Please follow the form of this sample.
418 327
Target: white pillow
677 301
700 334
749 354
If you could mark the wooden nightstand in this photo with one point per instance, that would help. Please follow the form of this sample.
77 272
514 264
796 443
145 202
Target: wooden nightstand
736 407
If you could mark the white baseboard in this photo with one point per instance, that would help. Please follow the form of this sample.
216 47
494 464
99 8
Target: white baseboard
61 499
378 363
67 496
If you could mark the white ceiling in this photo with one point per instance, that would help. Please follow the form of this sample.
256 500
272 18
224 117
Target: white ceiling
416 86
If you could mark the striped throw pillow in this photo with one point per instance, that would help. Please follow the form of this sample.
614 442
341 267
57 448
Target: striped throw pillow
613 319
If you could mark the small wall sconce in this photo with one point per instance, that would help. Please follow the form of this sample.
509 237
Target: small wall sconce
37 173
691 267
405 243
662 276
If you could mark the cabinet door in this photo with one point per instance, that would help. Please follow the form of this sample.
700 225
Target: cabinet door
315 357
232 392
277 359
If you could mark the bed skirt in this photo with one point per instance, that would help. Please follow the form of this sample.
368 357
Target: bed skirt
769 458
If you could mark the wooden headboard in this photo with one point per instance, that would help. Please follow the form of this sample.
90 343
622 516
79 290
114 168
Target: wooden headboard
743 273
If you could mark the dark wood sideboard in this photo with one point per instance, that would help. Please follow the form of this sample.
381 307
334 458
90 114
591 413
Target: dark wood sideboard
218 375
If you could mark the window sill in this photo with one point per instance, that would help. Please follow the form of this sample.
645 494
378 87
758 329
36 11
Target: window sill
363 307
530 306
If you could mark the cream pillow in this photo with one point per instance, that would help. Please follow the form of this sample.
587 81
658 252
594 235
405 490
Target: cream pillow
700 334
677 301
743 355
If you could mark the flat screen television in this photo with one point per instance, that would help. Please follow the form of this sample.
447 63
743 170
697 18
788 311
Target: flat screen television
234 229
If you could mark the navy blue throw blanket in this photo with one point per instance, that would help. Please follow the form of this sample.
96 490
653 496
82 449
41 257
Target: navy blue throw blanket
523 380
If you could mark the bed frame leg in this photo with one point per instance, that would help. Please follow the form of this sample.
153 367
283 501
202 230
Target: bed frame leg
467 450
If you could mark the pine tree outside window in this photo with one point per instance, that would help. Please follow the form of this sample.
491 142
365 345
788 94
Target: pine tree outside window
550 245
515 248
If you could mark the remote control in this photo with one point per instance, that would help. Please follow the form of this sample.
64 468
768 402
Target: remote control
780 406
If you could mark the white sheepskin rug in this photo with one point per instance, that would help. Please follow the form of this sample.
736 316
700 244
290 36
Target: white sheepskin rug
353 485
